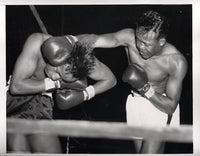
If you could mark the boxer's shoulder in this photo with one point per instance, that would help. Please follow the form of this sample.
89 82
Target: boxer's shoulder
126 37
38 35
36 39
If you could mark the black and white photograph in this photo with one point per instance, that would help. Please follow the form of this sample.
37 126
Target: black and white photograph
99 79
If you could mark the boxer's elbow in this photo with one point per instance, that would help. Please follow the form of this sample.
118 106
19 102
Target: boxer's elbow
112 81
171 107
170 110
15 88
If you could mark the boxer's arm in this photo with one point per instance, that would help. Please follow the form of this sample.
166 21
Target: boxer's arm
22 79
110 40
169 102
103 76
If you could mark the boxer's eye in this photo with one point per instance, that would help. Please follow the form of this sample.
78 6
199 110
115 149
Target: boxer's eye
67 68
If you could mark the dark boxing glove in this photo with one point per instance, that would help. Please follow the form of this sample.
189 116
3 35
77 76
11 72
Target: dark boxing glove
136 76
56 50
67 98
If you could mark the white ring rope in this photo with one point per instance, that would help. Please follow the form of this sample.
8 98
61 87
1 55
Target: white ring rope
91 129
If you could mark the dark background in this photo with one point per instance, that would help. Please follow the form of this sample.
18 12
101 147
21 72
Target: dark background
109 106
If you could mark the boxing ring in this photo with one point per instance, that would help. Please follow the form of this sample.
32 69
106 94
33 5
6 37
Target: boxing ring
91 129
98 129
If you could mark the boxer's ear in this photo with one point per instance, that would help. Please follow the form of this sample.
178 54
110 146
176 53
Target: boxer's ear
162 41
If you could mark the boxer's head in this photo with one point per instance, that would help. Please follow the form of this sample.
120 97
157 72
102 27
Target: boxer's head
153 21
78 65
151 32
56 50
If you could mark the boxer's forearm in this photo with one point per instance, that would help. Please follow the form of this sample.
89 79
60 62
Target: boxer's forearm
103 76
104 85
27 86
164 103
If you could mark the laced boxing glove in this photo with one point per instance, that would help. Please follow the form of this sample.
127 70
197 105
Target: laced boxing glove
136 76
68 98
56 50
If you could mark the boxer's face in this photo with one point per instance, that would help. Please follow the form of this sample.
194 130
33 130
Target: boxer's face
147 43
51 72
65 73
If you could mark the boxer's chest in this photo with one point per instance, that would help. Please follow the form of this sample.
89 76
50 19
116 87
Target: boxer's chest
156 68
157 74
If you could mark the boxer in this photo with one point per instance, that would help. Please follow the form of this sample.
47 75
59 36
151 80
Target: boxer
159 63
28 94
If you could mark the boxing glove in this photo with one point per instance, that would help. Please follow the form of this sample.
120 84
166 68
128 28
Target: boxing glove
137 78
56 50
68 98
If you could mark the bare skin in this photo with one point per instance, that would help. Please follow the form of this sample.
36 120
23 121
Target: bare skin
165 66
28 78
32 81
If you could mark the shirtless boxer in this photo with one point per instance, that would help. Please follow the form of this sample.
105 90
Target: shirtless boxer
165 68
57 57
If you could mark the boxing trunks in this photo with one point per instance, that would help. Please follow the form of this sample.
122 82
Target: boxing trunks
37 106
141 112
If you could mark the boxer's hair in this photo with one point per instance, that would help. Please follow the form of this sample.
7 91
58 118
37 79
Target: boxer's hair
81 60
152 20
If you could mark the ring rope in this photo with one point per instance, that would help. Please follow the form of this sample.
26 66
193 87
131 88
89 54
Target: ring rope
91 129
37 17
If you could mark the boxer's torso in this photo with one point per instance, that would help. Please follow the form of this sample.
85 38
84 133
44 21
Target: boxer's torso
158 68
39 73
